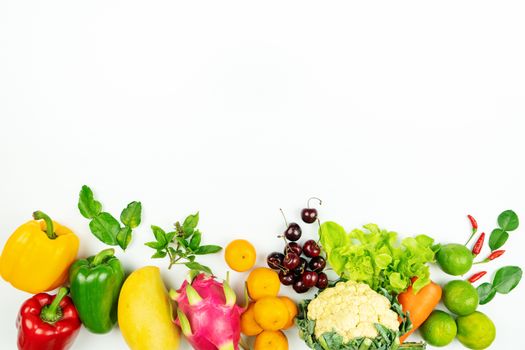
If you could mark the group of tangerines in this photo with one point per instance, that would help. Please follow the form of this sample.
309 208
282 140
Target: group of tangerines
268 313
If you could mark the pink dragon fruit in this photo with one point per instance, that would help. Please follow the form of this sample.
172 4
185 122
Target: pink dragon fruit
207 314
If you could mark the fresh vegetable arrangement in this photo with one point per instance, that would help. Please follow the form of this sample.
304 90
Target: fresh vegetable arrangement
381 290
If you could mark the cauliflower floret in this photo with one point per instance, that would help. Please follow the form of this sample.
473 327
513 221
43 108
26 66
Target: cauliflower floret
351 309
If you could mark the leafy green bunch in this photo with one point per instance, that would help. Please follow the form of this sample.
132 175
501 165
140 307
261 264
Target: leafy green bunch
376 257
387 339
182 245
103 225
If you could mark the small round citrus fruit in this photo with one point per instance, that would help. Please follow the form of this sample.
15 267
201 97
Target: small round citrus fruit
271 340
263 282
455 259
240 255
439 329
248 324
292 311
476 331
271 313
460 297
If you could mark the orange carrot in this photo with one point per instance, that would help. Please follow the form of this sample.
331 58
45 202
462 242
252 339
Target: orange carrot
419 305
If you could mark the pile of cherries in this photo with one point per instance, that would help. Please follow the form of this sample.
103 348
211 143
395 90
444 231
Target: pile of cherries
295 270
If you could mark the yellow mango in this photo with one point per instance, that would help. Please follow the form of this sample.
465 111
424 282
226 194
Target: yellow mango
145 313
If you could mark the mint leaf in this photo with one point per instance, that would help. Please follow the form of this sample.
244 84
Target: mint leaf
124 237
88 206
131 214
105 227
508 220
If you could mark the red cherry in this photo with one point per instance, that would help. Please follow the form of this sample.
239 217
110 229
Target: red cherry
291 261
311 248
317 264
322 280
310 279
294 247
286 278
299 287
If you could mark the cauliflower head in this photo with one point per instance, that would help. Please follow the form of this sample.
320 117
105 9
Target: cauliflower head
351 309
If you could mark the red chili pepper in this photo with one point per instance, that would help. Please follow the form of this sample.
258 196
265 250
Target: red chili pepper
477 276
474 225
48 322
495 254
479 244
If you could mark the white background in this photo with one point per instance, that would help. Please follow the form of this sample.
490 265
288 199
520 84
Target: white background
406 114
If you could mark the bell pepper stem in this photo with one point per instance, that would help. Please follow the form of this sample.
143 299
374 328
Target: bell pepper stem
52 313
39 215
102 256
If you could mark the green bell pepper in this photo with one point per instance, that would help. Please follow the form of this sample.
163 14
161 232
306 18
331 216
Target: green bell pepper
95 287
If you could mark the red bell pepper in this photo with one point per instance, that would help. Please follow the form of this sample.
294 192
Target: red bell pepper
48 322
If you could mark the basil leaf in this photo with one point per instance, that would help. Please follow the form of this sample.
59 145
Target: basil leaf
182 242
208 249
159 254
497 239
160 235
486 293
508 220
154 245
195 240
105 227
196 266
507 278
131 214
124 237
190 223
88 206
171 235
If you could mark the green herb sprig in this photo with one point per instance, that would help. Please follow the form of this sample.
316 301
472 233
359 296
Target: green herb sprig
182 245
505 280
507 221
103 225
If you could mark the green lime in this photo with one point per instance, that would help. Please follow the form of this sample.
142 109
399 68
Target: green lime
439 329
455 259
460 297
476 331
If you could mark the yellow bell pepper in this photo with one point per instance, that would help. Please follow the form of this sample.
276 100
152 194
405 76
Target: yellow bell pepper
37 256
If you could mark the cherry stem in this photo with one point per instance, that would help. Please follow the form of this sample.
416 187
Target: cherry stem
284 217
308 203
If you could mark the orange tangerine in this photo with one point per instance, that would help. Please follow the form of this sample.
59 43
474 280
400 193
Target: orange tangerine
240 255
271 340
292 311
271 313
263 282
248 324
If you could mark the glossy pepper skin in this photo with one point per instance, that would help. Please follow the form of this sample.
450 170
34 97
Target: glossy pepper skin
48 322
95 288
37 256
